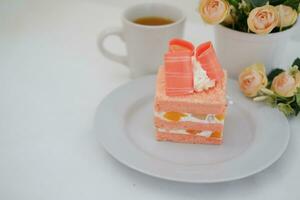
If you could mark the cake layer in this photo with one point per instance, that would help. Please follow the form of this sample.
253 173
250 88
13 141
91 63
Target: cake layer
175 120
204 133
189 107
159 123
189 117
212 101
183 138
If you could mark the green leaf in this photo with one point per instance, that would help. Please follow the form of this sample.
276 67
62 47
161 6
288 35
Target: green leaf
293 70
272 101
286 109
292 3
285 100
296 107
235 3
273 74
240 14
276 2
297 62
298 96
258 3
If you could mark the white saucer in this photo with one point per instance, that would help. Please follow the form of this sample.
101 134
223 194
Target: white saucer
255 137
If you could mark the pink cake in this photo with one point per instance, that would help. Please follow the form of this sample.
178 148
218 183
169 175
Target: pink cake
188 116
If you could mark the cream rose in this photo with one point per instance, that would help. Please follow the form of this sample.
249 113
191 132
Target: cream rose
285 84
262 20
252 79
213 11
287 16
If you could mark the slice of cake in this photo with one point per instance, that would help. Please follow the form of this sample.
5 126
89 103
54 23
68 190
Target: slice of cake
186 116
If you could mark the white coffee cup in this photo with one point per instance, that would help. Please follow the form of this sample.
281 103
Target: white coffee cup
145 44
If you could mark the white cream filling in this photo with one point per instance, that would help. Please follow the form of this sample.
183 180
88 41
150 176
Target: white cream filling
176 131
184 132
210 118
201 80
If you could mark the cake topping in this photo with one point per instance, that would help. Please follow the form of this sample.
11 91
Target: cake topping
206 56
186 73
179 68
177 45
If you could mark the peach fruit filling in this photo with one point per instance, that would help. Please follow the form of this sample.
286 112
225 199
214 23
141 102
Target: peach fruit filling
177 116
174 116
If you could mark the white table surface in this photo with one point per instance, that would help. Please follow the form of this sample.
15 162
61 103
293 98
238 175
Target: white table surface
52 78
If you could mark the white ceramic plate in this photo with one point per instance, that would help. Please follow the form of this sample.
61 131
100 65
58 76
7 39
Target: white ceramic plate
255 136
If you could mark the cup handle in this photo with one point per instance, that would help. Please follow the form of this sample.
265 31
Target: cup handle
108 54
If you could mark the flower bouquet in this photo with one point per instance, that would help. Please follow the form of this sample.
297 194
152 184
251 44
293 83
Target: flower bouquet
252 16
279 89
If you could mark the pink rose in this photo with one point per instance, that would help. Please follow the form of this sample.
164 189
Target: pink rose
263 20
285 84
252 79
287 16
214 11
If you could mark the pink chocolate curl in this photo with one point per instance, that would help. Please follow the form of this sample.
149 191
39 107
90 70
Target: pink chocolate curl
179 68
206 56
176 45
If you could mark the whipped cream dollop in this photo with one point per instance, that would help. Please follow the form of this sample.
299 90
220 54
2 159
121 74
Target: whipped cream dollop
201 80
